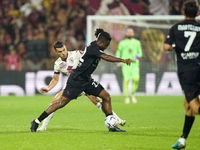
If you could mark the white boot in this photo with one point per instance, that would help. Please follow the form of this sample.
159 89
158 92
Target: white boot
181 143
127 100
134 100
46 122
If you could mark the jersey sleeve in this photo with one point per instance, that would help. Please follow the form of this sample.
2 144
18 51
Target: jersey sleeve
96 52
56 69
79 54
170 37
119 50
139 50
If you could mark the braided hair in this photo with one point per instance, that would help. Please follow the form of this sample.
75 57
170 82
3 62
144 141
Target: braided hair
101 35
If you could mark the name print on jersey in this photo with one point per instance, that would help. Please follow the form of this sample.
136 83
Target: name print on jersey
188 27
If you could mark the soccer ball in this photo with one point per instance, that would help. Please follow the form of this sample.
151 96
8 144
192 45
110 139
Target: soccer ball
111 121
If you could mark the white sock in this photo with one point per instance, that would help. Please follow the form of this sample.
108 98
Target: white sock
46 120
99 105
37 121
116 115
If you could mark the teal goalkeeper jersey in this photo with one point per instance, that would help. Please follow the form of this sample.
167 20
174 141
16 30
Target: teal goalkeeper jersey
129 48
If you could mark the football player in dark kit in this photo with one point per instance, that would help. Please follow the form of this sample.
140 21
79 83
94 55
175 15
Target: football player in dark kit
80 79
186 37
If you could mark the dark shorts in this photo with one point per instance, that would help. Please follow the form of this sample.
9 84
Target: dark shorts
75 87
190 83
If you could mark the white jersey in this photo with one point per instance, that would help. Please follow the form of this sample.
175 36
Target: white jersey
68 65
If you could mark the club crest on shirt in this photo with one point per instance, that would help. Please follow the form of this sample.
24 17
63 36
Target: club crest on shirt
71 59
62 65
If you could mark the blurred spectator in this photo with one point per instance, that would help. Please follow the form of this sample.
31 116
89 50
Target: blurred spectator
2 64
26 8
12 60
42 17
41 32
34 16
12 11
62 16
7 43
68 45
80 45
37 4
175 7
2 36
17 37
18 4
28 34
55 26
68 36
7 22
47 4
21 51
145 4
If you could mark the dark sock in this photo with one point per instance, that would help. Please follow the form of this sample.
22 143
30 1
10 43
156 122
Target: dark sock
109 114
189 120
43 116
199 110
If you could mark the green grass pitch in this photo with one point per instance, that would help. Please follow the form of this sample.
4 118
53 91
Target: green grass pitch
154 123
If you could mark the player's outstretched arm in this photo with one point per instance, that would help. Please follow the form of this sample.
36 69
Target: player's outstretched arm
111 58
53 83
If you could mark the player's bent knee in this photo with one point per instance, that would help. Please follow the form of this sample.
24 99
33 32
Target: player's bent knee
63 102
107 98
136 79
195 111
54 100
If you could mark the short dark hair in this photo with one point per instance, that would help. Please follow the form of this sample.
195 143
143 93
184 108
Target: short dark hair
191 8
102 35
58 44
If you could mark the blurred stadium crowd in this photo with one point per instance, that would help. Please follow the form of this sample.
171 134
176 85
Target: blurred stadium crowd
29 28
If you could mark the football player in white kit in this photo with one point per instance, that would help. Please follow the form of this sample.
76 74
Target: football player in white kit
66 63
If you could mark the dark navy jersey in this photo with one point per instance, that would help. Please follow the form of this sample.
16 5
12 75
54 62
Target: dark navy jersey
186 36
88 62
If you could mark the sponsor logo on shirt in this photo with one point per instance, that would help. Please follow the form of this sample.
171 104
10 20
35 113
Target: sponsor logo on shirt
62 65
190 55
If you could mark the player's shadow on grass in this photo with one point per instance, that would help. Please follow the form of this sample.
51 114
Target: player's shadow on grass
74 130
13 132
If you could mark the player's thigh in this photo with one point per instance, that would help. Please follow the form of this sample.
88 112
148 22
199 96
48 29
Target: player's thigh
190 85
135 72
130 73
126 72
57 96
194 105
136 78
188 109
72 92
93 88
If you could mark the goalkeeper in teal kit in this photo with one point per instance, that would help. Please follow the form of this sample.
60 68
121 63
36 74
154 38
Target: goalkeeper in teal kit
130 48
